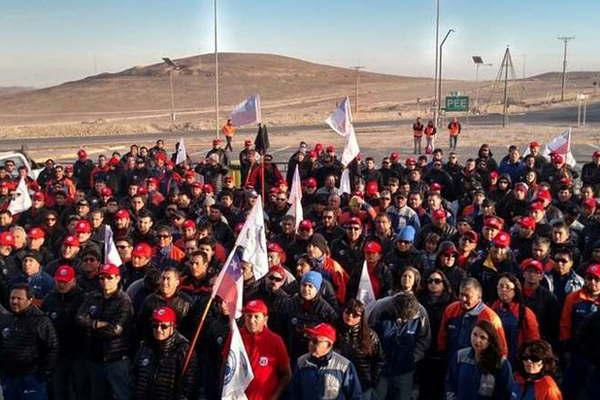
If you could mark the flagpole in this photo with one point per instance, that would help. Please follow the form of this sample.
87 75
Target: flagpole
216 76
262 163
188 356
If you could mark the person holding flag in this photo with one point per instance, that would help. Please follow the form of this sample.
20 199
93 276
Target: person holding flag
267 353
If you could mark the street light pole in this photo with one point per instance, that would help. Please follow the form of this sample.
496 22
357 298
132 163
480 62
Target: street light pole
216 76
565 39
439 96
173 66
357 68
435 83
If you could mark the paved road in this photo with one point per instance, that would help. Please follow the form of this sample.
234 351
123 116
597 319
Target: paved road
560 116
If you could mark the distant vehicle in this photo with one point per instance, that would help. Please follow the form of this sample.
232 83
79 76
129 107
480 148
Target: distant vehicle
20 157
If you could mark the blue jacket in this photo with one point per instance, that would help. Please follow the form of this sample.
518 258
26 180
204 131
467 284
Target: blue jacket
41 283
404 343
332 377
514 170
466 381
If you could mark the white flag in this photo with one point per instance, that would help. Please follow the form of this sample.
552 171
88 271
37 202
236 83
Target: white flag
253 239
345 182
111 255
365 289
21 200
341 119
247 112
561 145
181 155
238 371
295 199
341 122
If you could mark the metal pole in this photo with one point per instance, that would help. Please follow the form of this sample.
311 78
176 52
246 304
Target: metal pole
216 76
172 95
505 108
437 39
584 111
579 114
439 108
477 87
356 68
565 39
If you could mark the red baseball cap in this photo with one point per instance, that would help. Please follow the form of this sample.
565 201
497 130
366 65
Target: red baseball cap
189 223
39 196
164 314
435 187
256 306
110 269
494 174
394 156
142 250
438 214
152 181
64 273
536 206
471 235
354 221
502 240
36 233
273 247
247 142
410 161
544 195
122 213
534 144
330 149
557 158
305 225
322 330
593 270
530 263
372 188
208 188
216 142
521 186
372 247
494 222
596 154
83 226
81 153
527 222
7 239
71 241
311 183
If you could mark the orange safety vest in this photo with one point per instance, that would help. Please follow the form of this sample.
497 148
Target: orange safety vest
228 130
454 128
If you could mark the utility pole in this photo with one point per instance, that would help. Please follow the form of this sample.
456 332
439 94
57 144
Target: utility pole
439 96
357 68
216 76
565 40
478 63
173 66
435 83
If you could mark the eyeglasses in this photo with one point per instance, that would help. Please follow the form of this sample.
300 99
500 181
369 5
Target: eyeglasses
405 242
352 314
274 278
162 327
506 287
436 281
122 246
531 358
106 277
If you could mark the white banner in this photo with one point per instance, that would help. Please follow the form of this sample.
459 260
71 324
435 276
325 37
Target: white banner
111 255
295 199
253 239
181 153
21 200
238 371
365 288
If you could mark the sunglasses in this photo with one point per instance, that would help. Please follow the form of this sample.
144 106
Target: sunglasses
164 236
407 242
327 216
122 246
532 359
352 314
561 260
163 327
274 278
353 228
436 281
106 277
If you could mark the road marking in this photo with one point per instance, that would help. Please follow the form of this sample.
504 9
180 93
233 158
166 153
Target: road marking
281 149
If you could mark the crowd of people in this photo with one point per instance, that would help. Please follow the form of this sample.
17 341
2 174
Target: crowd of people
485 273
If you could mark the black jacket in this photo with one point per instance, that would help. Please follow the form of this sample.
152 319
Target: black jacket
349 255
111 342
157 368
546 308
62 309
28 343
368 366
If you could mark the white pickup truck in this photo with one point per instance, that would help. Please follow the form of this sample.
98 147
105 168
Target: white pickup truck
20 157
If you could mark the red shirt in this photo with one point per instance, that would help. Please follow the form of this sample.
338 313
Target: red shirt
269 360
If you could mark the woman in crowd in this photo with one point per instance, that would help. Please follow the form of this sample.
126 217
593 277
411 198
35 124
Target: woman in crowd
536 367
360 344
409 280
479 371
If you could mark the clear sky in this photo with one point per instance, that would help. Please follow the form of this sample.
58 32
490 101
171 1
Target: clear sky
45 42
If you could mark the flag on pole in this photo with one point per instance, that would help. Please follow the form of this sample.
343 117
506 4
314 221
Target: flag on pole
561 145
365 288
295 199
230 283
21 200
261 143
345 182
247 112
181 155
341 122
111 255
238 371
254 242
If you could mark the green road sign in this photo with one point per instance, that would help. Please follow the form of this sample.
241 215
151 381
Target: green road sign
457 103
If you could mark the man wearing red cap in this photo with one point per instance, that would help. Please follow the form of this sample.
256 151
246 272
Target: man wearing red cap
221 154
139 266
322 373
157 366
590 172
267 353
556 170
82 169
105 318
578 305
348 250
379 272
540 160
439 225
61 306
